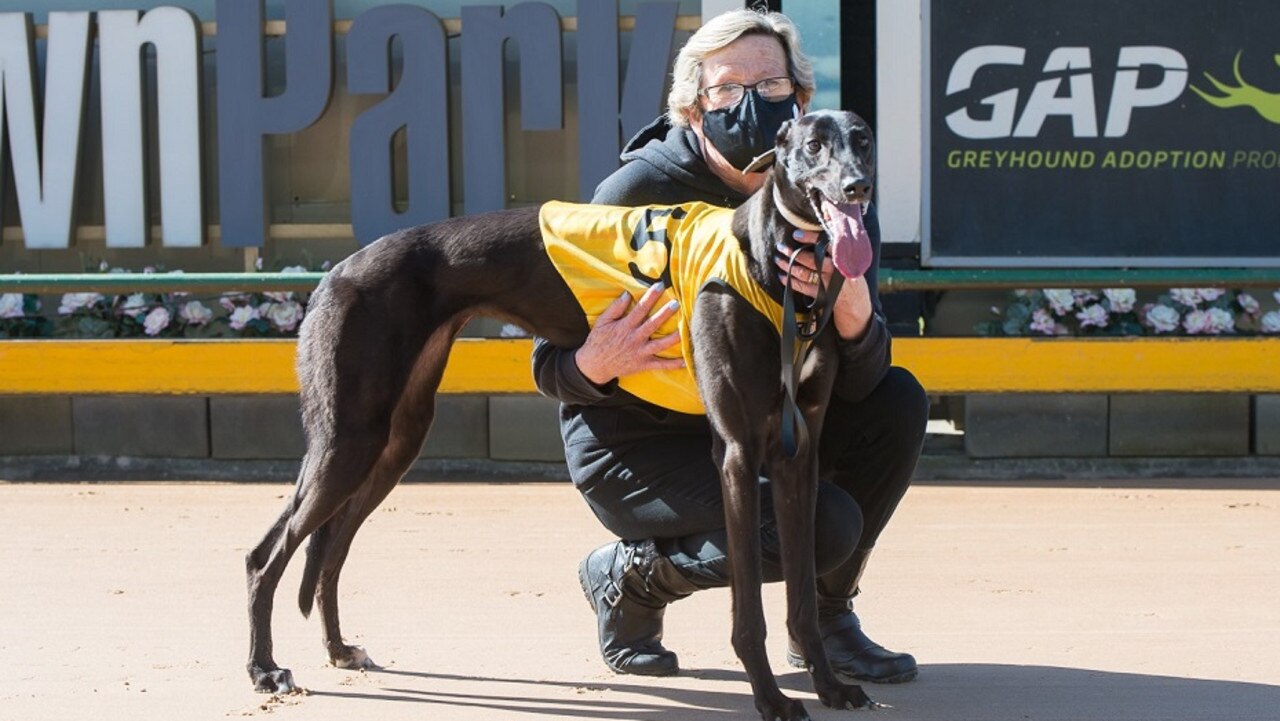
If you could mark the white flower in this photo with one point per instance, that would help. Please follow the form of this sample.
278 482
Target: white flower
231 301
257 263
1198 322
285 316
11 305
325 266
156 321
1060 299
72 302
1162 318
241 316
1210 294
1083 296
195 313
1041 322
1186 296
1121 299
1271 321
511 330
135 305
103 266
293 269
1094 315
1222 321
1249 304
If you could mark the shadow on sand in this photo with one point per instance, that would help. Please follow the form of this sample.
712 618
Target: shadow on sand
945 692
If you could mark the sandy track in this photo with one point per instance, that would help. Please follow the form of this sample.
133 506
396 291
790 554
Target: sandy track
127 602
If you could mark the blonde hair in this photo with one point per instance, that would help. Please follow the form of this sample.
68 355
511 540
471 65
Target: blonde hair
720 31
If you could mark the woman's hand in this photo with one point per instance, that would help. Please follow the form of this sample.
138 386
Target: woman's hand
804 273
619 343
853 309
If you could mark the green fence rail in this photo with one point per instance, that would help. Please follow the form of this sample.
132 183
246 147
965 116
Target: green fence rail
121 283
891 280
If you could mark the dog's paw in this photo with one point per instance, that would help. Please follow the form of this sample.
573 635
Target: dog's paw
353 658
279 680
848 697
784 709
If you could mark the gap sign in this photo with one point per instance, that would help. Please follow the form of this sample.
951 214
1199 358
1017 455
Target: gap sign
1097 133
44 137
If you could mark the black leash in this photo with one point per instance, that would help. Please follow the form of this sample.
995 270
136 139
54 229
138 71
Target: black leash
797 341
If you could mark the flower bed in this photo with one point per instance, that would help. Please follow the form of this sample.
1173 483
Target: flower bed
1119 312
157 315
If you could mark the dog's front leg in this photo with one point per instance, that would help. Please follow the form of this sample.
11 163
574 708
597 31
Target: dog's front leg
738 474
795 488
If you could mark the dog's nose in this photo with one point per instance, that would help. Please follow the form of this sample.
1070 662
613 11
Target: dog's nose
856 189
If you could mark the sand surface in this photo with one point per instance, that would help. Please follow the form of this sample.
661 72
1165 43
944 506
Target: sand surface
127 601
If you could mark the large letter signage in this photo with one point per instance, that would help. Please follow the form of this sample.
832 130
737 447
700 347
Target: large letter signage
42 119
246 115
419 104
535 27
175 33
45 165
598 95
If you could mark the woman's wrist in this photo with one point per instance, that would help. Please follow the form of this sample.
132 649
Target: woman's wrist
853 311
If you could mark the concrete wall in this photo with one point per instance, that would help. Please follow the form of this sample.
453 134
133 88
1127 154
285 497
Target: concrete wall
267 427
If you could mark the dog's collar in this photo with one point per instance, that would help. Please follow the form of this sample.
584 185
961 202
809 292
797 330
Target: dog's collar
790 215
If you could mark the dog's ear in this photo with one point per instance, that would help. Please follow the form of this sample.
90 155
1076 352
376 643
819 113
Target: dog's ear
783 131
761 162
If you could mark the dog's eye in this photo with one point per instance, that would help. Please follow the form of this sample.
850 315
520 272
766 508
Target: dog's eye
862 142
813 146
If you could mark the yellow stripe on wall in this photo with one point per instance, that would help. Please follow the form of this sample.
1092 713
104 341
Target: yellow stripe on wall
943 365
211 367
1053 365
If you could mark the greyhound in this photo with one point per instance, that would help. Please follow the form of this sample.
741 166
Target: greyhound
373 347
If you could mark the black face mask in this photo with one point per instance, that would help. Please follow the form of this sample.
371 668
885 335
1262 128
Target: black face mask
743 131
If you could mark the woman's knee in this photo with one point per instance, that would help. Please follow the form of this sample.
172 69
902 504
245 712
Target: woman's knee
837 527
903 403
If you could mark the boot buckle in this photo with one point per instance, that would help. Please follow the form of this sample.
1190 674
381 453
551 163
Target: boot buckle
612 594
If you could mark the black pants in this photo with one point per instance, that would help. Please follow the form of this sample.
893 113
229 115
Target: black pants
647 476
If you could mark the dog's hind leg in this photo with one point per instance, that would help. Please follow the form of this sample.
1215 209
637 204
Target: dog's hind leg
351 381
331 544
312 504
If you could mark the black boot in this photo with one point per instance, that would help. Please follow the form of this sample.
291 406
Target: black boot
629 585
853 655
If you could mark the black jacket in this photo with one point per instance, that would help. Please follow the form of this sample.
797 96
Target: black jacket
663 165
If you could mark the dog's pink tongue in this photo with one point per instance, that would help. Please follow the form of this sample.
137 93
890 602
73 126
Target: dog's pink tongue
850 243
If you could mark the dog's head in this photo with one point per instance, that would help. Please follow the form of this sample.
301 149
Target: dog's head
824 165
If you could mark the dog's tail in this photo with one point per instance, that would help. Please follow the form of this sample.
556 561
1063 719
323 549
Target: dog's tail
317 549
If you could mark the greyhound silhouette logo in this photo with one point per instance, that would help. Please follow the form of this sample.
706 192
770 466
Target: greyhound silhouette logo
1265 104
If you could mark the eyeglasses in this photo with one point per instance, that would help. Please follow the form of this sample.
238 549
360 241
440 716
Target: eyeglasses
726 94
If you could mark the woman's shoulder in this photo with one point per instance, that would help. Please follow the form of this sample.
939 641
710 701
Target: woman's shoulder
638 183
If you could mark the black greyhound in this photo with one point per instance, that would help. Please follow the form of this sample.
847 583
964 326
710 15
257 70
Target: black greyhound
373 347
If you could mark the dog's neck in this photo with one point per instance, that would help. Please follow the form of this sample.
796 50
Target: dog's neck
790 215
762 224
